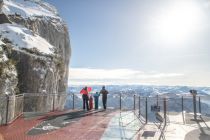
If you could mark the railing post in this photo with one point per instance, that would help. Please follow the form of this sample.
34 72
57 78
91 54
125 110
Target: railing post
139 106
194 106
73 101
164 107
22 104
53 102
134 102
120 102
182 104
199 104
194 93
7 111
146 110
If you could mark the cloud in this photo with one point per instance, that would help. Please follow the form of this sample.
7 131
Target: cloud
86 73
84 76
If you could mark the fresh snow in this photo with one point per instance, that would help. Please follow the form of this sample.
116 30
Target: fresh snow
29 9
1 43
22 37
50 127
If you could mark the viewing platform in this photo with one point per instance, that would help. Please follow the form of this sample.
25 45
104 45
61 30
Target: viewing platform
105 125
148 118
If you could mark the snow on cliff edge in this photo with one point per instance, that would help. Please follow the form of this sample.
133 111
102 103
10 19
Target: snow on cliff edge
22 37
1 43
29 9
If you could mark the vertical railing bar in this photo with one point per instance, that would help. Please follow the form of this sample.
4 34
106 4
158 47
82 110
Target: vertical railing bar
146 110
182 104
22 104
134 102
164 104
139 106
73 102
7 111
120 102
199 104
53 102
194 106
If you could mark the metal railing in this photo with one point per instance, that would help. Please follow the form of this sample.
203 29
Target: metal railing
41 102
11 107
142 105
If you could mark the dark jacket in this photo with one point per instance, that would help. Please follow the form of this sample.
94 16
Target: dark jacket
104 92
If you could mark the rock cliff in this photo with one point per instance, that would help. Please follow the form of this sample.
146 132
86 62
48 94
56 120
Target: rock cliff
34 53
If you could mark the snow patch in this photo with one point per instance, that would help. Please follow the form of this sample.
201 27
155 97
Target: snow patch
1 43
50 127
65 123
22 37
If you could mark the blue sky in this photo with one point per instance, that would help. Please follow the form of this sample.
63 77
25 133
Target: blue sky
162 42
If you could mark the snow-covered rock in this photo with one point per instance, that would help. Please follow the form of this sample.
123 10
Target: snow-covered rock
22 37
1 43
29 9
36 40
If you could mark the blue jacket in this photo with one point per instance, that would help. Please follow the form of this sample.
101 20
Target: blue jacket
96 95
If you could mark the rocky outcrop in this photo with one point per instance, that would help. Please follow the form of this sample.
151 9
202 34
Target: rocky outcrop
8 74
4 19
38 44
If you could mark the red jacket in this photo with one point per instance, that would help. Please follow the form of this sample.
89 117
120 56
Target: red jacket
84 92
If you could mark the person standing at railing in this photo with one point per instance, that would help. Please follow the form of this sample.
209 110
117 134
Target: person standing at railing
96 96
104 93
85 98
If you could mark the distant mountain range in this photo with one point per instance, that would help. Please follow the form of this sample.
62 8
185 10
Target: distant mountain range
173 93
144 90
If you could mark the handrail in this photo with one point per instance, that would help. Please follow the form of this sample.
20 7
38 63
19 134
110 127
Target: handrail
5 95
123 95
19 95
43 94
